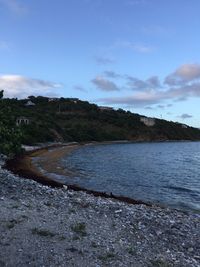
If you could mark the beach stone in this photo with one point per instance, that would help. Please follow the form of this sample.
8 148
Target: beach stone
190 249
44 226
65 187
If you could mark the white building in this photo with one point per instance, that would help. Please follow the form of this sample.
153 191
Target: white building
184 126
54 99
105 108
22 121
29 103
148 121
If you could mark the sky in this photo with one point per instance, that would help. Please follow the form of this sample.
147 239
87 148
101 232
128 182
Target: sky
139 55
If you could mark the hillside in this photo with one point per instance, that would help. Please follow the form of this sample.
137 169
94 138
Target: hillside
41 119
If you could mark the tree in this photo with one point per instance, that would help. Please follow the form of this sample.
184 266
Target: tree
1 94
10 135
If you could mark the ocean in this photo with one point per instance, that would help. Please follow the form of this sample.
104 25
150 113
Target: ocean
163 173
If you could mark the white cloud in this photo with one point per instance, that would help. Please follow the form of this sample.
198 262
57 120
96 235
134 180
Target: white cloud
104 84
185 116
182 84
184 74
151 97
137 47
188 71
102 60
161 106
142 48
111 74
21 87
138 84
14 6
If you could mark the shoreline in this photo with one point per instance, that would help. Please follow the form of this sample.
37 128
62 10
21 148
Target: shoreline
45 226
48 159
51 226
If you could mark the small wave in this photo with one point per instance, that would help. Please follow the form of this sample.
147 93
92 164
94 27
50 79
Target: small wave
194 207
183 189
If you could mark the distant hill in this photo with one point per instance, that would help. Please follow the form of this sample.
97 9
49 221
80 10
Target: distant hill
43 119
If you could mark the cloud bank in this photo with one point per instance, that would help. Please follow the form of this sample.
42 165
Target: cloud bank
104 60
104 84
185 116
21 87
137 84
184 74
180 85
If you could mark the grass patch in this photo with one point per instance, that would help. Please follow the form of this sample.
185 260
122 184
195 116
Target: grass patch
11 224
14 206
80 229
61 238
72 210
106 257
48 204
94 244
2 263
42 232
76 237
24 217
160 263
131 251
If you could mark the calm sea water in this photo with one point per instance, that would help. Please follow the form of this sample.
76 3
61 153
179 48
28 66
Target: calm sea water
161 173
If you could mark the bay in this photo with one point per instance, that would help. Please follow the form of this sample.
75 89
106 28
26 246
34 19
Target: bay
164 173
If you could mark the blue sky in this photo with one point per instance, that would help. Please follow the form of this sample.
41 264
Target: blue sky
140 55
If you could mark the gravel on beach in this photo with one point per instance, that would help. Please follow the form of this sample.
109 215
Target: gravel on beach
44 226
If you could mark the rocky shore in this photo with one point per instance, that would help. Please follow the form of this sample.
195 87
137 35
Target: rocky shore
45 226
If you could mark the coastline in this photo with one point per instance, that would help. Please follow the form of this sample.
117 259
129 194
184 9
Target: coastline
49 226
47 158
43 165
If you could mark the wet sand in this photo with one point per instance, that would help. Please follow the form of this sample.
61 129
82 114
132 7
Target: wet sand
49 159
30 164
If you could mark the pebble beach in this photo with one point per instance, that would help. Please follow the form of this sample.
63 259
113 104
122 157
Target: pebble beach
45 226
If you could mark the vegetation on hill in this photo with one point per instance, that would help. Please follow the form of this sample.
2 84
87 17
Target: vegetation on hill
67 119
10 135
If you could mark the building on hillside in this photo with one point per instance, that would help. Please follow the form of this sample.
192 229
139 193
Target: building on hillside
184 126
73 99
22 121
105 108
29 103
148 121
53 99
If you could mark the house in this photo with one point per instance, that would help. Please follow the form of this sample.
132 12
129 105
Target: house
75 100
54 99
105 108
148 121
22 121
29 103
184 126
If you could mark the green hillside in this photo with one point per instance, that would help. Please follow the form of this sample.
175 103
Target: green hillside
67 119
